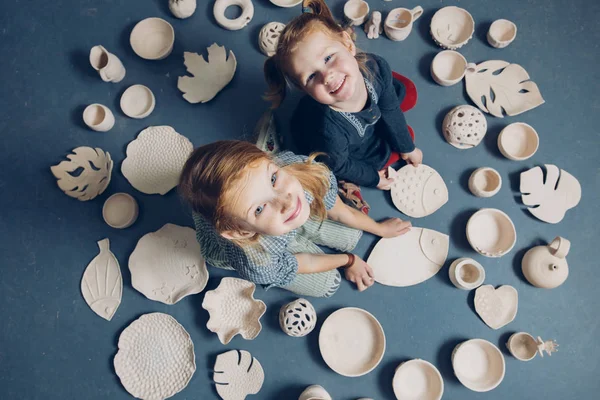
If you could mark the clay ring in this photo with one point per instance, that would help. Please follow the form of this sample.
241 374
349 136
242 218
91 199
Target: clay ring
233 24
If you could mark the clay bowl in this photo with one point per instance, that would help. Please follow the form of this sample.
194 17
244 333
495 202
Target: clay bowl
501 33
491 232
418 380
137 101
286 3
518 141
452 27
356 329
448 67
98 117
522 346
466 273
356 11
478 364
152 38
120 210
485 182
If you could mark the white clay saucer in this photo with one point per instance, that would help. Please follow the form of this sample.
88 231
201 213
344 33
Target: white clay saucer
518 141
137 101
120 210
352 342
152 38
485 182
286 3
502 32
418 380
452 27
448 67
478 364
491 232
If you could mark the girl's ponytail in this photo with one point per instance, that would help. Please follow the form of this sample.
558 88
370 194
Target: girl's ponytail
276 81
317 7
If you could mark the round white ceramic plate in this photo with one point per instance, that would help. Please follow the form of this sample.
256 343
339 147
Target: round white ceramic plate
352 342
418 380
120 210
137 101
478 364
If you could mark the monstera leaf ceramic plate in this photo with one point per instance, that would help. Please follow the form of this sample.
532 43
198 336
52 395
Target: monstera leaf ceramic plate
237 375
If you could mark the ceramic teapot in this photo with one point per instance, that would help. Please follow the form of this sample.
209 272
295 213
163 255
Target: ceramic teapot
546 266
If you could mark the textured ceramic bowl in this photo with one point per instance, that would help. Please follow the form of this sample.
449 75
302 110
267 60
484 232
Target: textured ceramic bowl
522 346
286 3
448 67
137 101
518 141
466 273
98 117
501 33
152 38
478 364
418 380
356 11
120 210
452 27
491 232
485 182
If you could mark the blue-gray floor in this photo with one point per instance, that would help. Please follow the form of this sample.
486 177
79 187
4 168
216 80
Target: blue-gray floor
53 347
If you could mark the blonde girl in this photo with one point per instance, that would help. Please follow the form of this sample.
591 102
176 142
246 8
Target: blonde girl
264 215
351 111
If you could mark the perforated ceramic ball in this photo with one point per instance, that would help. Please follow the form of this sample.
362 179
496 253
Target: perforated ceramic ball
298 318
464 127
268 38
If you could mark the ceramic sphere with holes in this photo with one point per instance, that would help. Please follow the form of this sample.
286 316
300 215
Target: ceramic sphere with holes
298 318
464 127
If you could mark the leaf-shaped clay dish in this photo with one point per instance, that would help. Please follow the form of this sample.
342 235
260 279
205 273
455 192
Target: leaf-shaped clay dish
102 285
234 310
237 374
86 174
496 86
209 78
552 200
155 159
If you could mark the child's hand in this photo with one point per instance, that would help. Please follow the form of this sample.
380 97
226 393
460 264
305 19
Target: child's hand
393 227
414 158
385 182
360 273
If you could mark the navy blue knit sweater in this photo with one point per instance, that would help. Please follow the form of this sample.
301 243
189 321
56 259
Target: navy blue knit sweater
357 144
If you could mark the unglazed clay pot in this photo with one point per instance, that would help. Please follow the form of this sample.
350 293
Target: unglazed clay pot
502 32
546 266
485 182
518 141
452 27
448 67
120 211
98 117
478 364
524 347
466 273
491 232
399 22
108 65
152 38
356 11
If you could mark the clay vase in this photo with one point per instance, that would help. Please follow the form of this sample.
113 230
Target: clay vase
546 266
108 65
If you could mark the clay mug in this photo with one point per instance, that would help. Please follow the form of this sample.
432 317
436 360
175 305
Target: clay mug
399 22
108 65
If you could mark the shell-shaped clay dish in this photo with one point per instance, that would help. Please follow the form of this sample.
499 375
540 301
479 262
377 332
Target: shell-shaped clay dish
167 265
233 310
496 307
155 358
409 259
418 191
155 159
102 284
237 374
464 127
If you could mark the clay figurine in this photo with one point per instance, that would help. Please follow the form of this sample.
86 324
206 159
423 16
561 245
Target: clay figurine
237 374
399 22
373 26
546 266
464 127
108 65
182 8
548 200
452 27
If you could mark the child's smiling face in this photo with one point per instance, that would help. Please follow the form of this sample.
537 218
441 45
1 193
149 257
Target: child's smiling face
267 200
326 69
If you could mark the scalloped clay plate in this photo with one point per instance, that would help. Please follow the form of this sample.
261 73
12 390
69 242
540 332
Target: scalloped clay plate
478 365
356 329
156 358
418 191
452 27
491 232
518 141
155 159
233 310
418 380
496 307
152 38
409 259
167 265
